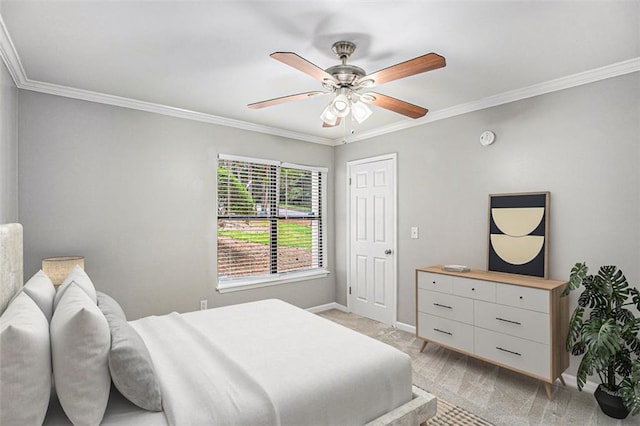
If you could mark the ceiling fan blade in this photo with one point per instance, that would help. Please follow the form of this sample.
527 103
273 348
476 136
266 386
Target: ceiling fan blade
301 64
424 63
329 125
396 105
284 99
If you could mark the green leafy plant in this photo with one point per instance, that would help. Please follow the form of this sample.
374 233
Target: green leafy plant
607 338
231 189
630 389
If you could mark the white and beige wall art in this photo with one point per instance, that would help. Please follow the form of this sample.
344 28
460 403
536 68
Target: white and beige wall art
518 233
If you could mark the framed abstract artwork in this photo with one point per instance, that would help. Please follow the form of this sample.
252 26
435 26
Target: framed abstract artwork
519 233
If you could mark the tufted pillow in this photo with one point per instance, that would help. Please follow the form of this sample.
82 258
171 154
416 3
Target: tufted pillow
80 342
80 277
42 291
130 364
25 363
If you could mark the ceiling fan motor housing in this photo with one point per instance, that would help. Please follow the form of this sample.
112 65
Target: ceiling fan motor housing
344 73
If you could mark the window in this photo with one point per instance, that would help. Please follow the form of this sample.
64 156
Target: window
270 222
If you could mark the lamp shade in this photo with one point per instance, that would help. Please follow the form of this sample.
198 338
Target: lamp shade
57 268
360 111
328 116
340 105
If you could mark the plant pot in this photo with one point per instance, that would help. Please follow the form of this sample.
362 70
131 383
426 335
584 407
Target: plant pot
610 403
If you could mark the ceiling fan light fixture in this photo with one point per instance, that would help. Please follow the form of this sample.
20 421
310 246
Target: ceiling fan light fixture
360 111
367 97
340 105
344 81
367 82
329 84
329 116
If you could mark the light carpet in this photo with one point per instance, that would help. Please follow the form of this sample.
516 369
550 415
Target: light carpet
497 395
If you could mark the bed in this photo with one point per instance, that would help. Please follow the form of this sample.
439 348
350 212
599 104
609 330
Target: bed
258 363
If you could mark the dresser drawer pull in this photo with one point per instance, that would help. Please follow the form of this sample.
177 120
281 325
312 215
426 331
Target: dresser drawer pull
507 350
441 331
509 321
442 306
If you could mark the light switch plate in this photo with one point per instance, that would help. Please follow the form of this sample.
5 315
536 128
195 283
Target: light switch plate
414 232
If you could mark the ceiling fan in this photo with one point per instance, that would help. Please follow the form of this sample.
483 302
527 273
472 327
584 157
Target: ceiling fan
350 85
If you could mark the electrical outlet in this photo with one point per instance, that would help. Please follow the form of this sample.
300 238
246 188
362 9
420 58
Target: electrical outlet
414 232
203 304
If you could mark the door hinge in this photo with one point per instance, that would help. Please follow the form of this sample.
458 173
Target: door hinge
349 181
349 289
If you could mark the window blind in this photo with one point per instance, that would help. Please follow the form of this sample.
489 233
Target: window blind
269 218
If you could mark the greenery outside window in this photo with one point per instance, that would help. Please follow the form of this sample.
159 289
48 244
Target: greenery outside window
270 222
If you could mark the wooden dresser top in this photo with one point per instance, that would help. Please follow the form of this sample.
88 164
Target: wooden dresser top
498 277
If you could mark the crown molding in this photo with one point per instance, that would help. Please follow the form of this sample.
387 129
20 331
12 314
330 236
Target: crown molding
586 77
10 56
14 65
11 59
87 95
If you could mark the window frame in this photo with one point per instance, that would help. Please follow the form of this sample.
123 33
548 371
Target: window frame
250 282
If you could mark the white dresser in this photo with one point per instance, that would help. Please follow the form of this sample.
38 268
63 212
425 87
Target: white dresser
513 321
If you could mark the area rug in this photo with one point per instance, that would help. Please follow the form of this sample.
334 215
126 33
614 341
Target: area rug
449 414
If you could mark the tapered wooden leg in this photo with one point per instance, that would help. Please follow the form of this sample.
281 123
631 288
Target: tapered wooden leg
547 387
562 381
424 345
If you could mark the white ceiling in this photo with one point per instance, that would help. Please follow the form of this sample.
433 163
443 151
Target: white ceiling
211 58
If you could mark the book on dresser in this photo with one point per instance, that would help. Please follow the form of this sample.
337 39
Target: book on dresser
513 321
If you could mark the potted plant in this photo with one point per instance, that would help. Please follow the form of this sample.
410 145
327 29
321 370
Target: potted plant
607 338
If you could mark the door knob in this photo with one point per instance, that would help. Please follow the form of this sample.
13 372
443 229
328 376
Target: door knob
387 251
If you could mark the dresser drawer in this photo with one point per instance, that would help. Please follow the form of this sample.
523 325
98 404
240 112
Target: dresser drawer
524 355
475 289
523 297
445 305
516 322
446 332
435 282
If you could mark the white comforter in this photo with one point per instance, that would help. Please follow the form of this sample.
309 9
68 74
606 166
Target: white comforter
270 363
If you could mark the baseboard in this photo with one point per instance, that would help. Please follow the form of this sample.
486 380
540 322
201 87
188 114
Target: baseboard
327 307
406 327
571 381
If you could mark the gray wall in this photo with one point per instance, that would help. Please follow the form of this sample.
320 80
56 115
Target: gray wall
581 144
134 193
8 147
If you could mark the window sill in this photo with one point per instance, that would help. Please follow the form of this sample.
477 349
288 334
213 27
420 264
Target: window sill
251 283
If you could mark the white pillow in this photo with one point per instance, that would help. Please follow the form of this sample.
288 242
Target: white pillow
80 342
41 290
81 278
25 363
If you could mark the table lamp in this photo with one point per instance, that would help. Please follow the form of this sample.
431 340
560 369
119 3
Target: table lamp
57 268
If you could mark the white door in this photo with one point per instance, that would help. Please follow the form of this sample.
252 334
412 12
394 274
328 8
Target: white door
372 239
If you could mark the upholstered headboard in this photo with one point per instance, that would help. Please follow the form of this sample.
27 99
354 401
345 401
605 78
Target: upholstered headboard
11 278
